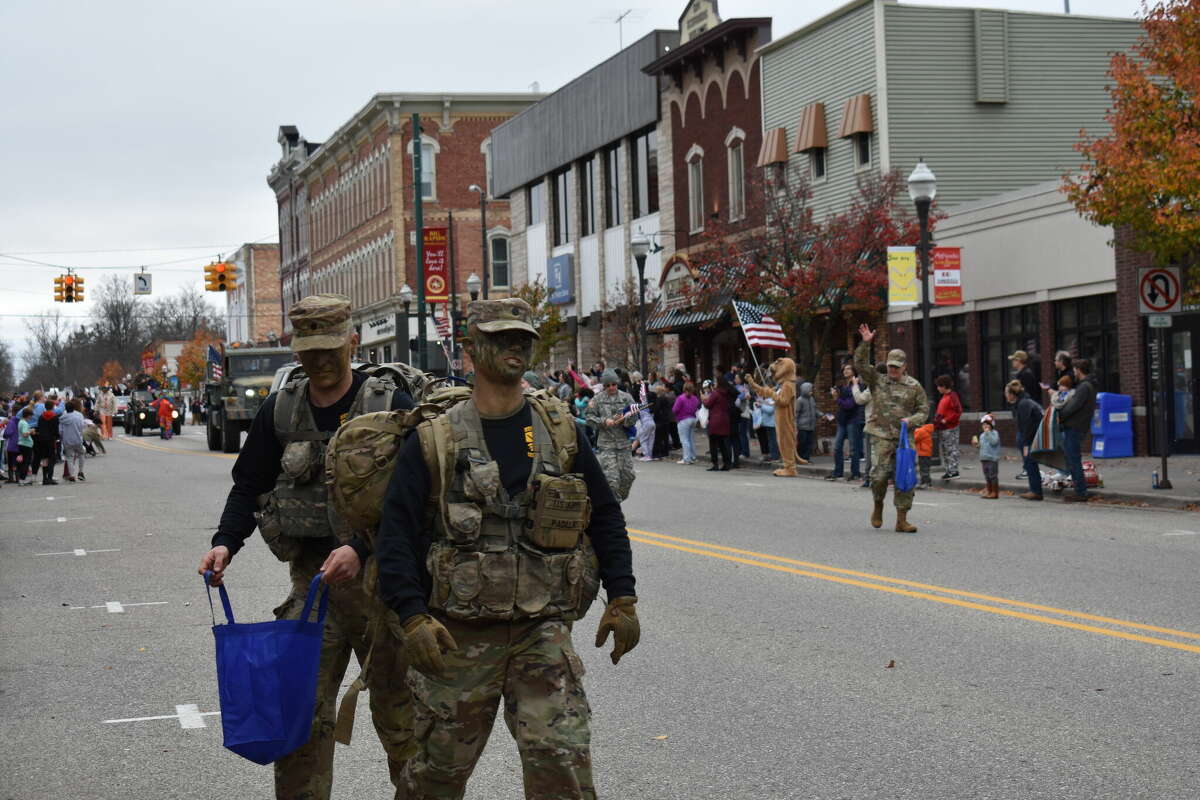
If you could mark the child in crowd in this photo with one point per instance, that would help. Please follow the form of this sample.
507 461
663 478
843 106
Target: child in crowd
1059 398
989 456
923 438
949 411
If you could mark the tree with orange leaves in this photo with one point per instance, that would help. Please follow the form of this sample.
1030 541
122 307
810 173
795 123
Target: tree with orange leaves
1145 174
808 274
191 366
112 373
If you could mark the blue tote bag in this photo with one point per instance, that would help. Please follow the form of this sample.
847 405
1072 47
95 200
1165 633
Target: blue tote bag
906 462
267 678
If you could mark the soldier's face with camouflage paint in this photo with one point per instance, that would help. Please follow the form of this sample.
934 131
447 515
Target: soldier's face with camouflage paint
327 368
503 357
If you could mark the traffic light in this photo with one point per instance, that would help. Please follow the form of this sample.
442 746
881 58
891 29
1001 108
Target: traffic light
69 288
220 277
210 278
78 290
59 292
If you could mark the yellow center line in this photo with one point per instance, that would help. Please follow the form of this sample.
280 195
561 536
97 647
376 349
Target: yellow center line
929 587
1007 612
171 450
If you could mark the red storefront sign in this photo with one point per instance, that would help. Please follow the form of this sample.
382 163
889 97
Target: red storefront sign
947 276
437 264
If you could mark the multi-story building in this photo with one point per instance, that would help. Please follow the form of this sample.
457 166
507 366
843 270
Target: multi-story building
584 169
254 310
291 199
993 101
358 189
711 132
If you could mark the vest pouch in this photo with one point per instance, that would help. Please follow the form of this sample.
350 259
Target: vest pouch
547 583
481 482
302 461
559 512
464 521
439 562
497 584
282 547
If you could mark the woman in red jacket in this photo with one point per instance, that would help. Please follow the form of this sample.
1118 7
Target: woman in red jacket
718 403
949 411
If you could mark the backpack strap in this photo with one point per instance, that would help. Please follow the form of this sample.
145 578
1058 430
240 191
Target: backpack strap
440 451
561 426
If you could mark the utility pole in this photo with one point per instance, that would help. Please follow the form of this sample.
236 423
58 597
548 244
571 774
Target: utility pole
419 222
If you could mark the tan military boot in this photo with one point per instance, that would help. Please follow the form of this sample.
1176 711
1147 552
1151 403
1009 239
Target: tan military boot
877 514
902 523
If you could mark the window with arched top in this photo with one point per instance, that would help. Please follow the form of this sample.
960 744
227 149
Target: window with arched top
429 151
735 158
695 172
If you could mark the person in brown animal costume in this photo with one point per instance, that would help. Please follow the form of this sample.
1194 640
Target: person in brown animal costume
783 372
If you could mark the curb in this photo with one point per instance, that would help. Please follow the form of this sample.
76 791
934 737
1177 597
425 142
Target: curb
961 485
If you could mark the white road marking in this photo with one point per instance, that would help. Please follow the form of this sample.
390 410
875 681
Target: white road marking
62 497
115 607
52 519
754 484
189 716
79 552
1182 533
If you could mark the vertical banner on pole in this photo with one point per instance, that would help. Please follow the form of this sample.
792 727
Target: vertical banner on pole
903 289
437 275
947 276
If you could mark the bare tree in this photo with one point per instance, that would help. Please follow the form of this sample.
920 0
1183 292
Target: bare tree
46 356
115 322
8 371
622 326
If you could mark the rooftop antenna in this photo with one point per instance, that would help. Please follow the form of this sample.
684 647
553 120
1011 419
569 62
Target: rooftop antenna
619 17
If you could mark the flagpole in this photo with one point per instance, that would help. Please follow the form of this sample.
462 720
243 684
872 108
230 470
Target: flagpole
757 368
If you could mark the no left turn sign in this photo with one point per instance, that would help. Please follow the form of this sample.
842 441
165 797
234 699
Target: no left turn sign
1159 290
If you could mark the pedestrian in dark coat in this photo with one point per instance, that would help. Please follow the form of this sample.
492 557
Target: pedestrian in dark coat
1022 372
1028 415
718 403
1076 419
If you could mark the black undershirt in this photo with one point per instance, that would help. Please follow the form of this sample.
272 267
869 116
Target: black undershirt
257 468
403 540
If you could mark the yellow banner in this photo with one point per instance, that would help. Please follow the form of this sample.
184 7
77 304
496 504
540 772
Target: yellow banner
903 289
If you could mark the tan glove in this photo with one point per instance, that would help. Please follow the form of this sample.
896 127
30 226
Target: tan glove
620 617
425 639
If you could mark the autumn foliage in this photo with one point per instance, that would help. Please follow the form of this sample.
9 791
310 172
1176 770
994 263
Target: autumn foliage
112 373
1145 174
191 366
809 274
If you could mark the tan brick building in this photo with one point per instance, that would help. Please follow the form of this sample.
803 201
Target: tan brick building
347 205
254 310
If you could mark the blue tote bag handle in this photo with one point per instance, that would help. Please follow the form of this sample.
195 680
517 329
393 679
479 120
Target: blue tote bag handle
313 588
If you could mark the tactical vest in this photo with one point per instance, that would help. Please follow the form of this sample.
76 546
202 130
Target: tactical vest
298 508
496 557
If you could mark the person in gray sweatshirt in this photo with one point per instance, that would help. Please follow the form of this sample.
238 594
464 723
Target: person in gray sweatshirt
806 422
70 432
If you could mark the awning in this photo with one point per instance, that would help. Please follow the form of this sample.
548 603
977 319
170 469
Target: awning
810 132
856 117
684 319
774 148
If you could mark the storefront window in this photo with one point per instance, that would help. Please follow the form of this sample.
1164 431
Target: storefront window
1004 331
949 354
1086 327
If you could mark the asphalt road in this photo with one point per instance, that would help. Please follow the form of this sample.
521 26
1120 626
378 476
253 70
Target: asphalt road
1008 650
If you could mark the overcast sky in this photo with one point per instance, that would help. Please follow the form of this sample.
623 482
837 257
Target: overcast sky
142 132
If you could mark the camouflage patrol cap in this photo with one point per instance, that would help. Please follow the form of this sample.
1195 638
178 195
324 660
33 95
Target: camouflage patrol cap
320 322
493 316
896 358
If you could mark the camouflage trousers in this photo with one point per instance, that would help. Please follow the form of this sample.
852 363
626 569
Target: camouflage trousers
883 469
533 666
307 773
617 464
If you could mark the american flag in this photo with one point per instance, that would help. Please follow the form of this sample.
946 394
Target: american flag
443 325
760 329
214 358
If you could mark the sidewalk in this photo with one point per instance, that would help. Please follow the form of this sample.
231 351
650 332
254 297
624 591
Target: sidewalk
1126 480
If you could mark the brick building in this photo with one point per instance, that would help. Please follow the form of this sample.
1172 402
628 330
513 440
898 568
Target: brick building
291 199
254 310
710 134
357 189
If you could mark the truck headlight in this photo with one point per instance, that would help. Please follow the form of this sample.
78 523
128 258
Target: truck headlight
174 415
141 415
249 393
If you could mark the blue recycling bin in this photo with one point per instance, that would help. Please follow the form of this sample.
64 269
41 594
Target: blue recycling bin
1112 426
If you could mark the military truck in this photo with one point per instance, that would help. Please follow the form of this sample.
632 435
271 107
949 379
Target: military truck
235 399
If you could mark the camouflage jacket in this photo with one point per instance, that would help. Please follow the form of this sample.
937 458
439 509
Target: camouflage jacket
891 400
602 407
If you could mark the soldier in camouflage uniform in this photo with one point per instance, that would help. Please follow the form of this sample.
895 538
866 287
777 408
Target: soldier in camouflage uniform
487 553
895 398
279 487
612 443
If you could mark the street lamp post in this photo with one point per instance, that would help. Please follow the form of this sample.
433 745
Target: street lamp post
483 243
922 188
640 246
406 298
473 286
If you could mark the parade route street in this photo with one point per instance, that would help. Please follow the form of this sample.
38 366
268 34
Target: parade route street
1008 650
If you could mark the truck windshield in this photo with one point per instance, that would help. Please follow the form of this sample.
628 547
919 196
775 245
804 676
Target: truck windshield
242 366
